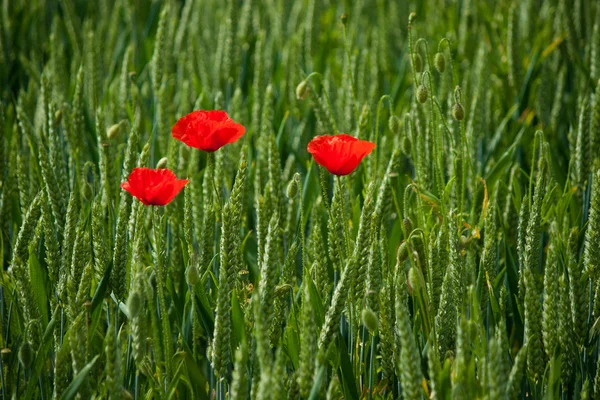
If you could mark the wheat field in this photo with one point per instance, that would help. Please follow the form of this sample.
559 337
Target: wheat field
311 199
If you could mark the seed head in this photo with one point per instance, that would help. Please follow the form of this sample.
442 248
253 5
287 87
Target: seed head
440 62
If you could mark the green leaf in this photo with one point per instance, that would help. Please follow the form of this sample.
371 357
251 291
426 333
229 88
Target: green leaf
41 355
78 380
316 388
194 373
102 288
238 321
347 375
293 340
171 390
316 302
501 166
38 284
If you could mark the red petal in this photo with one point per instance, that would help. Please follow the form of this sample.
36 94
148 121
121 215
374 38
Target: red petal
340 154
207 130
153 186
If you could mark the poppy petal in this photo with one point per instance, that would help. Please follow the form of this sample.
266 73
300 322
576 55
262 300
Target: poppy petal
156 187
340 154
207 130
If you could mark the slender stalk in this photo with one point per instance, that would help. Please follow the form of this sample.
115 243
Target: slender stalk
161 283
371 368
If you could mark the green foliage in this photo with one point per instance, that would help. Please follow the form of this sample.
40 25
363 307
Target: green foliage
269 278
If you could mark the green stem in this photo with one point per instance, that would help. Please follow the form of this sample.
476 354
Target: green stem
424 42
351 75
161 283
371 367
464 154
195 325
305 261
342 192
453 71
379 107
410 48
209 172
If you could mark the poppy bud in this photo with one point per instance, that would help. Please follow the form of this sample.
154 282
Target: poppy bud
192 275
418 63
414 280
440 62
412 17
464 241
370 320
292 189
406 145
458 112
134 303
422 93
26 354
58 116
87 191
282 289
6 352
394 124
415 255
114 130
364 117
344 18
408 226
162 163
402 253
302 90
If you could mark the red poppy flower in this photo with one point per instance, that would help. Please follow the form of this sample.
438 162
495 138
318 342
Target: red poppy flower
340 154
153 187
207 130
